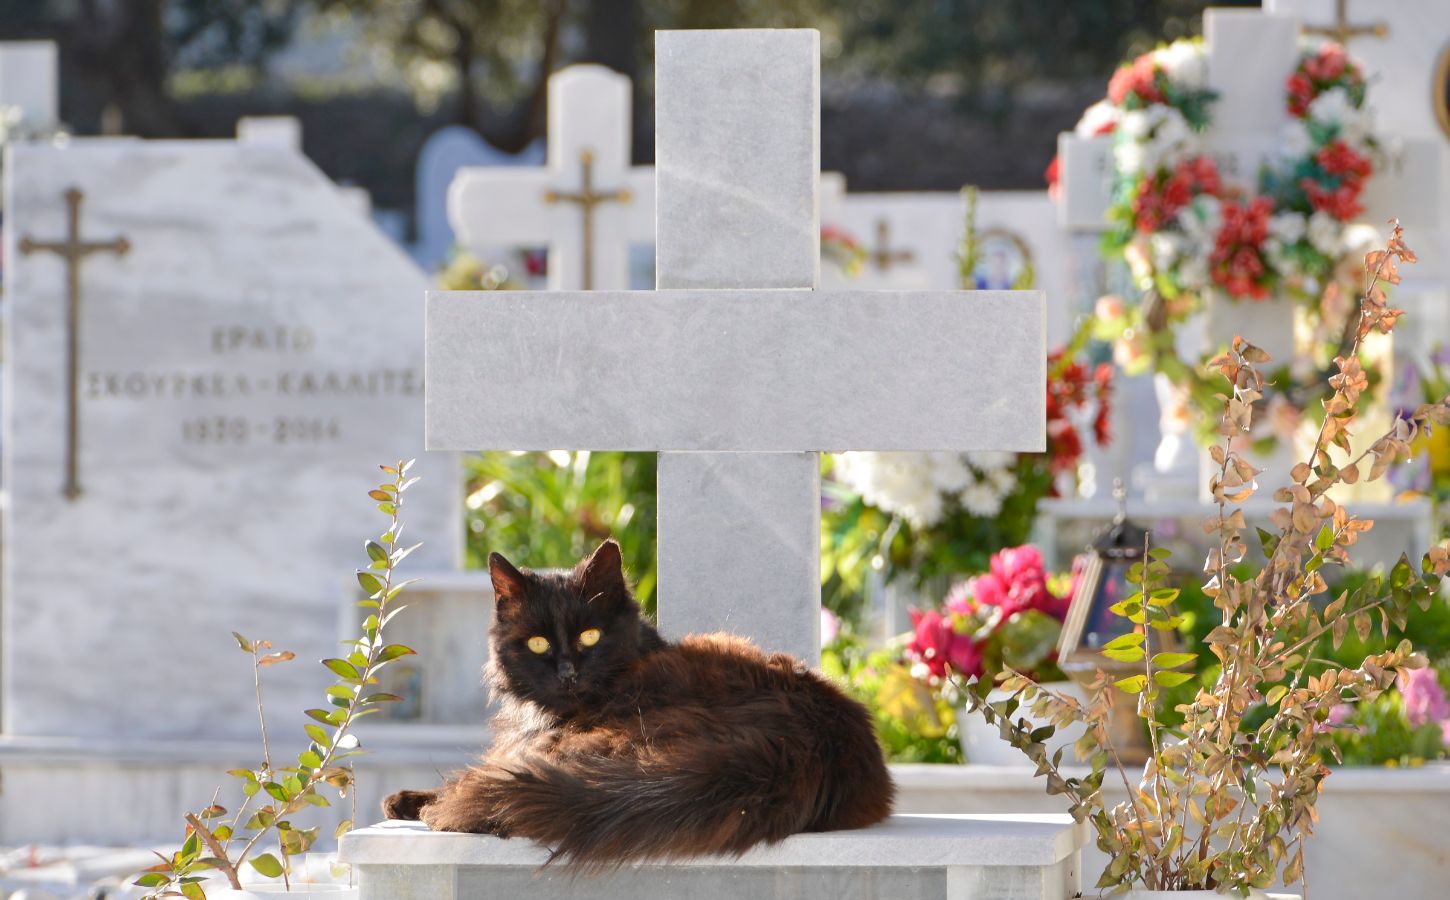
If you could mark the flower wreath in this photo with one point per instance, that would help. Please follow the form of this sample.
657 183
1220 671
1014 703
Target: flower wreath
1185 234
1182 231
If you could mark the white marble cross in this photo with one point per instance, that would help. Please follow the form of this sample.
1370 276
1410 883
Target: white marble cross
28 83
737 370
587 205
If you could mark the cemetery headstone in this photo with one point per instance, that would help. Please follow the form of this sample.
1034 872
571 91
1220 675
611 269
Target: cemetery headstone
28 85
283 132
238 372
587 205
446 151
736 370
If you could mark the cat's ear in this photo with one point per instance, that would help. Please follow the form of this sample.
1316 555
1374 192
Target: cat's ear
601 576
509 584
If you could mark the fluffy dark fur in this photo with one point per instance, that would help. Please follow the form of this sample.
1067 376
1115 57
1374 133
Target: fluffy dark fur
640 749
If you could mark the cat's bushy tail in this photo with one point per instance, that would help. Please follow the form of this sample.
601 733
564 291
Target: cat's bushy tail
597 813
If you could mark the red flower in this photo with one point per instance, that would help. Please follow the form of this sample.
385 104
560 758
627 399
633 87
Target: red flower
1138 79
936 643
1160 197
1338 158
1341 202
1237 262
1052 176
1301 94
1328 64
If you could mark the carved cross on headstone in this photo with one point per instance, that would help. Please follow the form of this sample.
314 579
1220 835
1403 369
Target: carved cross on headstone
737 370
587 205
883 257
73 251
586 198
1343 30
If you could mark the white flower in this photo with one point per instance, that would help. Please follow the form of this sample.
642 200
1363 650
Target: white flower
1288 227
1131 157
1360 238
949 472
1003 481
987 460
981 500
1295 142
1166 248
1134 125
1324 233
1193 272
1096 119
1276 251
1331 107
1185 64
1201 220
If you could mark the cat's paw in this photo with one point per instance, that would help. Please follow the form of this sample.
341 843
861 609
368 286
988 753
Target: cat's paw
407 805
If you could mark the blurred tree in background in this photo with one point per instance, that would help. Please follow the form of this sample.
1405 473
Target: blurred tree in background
982 85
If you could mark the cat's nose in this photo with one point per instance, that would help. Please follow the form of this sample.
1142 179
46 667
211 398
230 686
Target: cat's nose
567 672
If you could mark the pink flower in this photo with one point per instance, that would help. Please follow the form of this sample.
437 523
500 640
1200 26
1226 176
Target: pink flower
830 627
1339 713
1424 698
937 644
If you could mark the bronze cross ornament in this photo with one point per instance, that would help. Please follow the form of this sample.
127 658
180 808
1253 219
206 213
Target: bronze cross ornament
588 198
74 251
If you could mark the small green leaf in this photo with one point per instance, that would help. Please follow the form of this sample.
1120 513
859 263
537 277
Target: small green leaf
376 552
393 651
341 667
388 508
1275 694
343 828
242 642
380 494
246 774
381 698
370 582
151 879
275 789
309 759
1173 660
1133 684
1124 654
1163 596
1325 539
319 715
1133 639
318 734
267 864
1172 679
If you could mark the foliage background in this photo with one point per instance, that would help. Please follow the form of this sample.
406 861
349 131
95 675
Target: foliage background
918 94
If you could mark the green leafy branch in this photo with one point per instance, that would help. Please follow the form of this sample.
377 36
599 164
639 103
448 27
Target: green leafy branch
283 792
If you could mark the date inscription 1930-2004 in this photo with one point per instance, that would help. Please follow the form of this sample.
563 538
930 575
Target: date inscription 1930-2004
263 384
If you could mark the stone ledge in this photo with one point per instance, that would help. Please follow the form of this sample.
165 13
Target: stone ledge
904 841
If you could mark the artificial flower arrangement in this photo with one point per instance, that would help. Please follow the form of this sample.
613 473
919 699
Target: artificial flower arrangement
937 516
1011 615
1227 798
1187 234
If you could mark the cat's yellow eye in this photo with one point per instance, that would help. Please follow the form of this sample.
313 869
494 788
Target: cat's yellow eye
589 637
539 644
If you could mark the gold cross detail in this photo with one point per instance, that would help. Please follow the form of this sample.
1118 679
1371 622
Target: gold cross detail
588 198
74 251
883 257
1342 31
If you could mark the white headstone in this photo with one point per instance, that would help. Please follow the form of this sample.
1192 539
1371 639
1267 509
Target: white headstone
736 368
241 370
283 132
28 82
910 239
587 205
446 151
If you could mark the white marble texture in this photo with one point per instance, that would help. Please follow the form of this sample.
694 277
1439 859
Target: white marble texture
737 151
736 370
1250 56
28 80
740 548
243 370
912 841
1086 175
490 206
282 132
